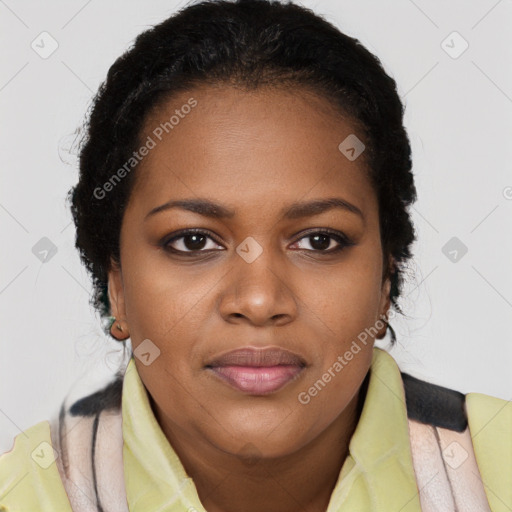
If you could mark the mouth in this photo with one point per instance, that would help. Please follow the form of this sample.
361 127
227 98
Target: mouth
257 371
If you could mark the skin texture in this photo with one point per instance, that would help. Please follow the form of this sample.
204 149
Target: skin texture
256 153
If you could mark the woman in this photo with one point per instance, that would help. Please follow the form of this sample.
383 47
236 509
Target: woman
242 209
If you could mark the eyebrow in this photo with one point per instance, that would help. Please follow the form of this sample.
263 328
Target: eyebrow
296 210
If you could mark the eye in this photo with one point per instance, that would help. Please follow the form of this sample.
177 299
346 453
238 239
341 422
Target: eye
190 241
193 241
322 241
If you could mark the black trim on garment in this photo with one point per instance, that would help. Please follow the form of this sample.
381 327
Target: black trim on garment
107 398
434 405
93 452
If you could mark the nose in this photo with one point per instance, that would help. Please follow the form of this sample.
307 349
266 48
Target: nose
259 293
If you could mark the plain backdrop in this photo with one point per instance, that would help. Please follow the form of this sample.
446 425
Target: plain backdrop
459 119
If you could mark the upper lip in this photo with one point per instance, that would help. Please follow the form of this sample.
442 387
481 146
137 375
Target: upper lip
257 357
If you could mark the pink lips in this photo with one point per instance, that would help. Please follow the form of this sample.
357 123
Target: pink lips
257 371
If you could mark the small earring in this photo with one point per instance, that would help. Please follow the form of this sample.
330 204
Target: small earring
117 325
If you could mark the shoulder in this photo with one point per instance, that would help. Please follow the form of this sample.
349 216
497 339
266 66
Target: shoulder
448 408
24 452
433 404
29 478
490 421
481 404
29 471
470 435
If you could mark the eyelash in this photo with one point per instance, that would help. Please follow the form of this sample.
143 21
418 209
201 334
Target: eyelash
339 237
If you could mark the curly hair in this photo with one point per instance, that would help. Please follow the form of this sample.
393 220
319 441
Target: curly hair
247 44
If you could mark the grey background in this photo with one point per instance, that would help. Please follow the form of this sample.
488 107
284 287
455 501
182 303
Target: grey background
459 119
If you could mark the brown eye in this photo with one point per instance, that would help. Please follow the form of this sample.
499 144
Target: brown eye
325 241
190 241
320 242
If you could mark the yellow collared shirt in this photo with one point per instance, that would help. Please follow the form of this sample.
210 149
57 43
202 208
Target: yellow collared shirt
377 475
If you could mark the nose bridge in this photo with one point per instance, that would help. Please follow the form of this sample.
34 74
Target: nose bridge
255 287
255 269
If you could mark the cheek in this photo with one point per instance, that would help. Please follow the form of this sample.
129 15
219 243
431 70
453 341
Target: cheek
344 309
343 357
346 299
157 294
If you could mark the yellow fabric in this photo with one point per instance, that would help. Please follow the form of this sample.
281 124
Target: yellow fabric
490 424
376 476
27 485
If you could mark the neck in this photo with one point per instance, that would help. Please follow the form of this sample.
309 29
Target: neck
302 480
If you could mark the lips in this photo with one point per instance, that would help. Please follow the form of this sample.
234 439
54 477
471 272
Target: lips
257 357
257 371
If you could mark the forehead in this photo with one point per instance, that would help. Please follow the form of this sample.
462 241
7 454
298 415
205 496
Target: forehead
263 146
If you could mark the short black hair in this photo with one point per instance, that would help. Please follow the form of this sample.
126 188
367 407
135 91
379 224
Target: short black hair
248 44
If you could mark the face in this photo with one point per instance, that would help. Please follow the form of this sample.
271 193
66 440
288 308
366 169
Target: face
261 269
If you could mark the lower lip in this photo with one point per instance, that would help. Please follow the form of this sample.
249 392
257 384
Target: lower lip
257 380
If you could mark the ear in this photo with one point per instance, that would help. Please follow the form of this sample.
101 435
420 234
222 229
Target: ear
385 301
116 298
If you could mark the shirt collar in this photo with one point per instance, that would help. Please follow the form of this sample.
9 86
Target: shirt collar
155 478
378 472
